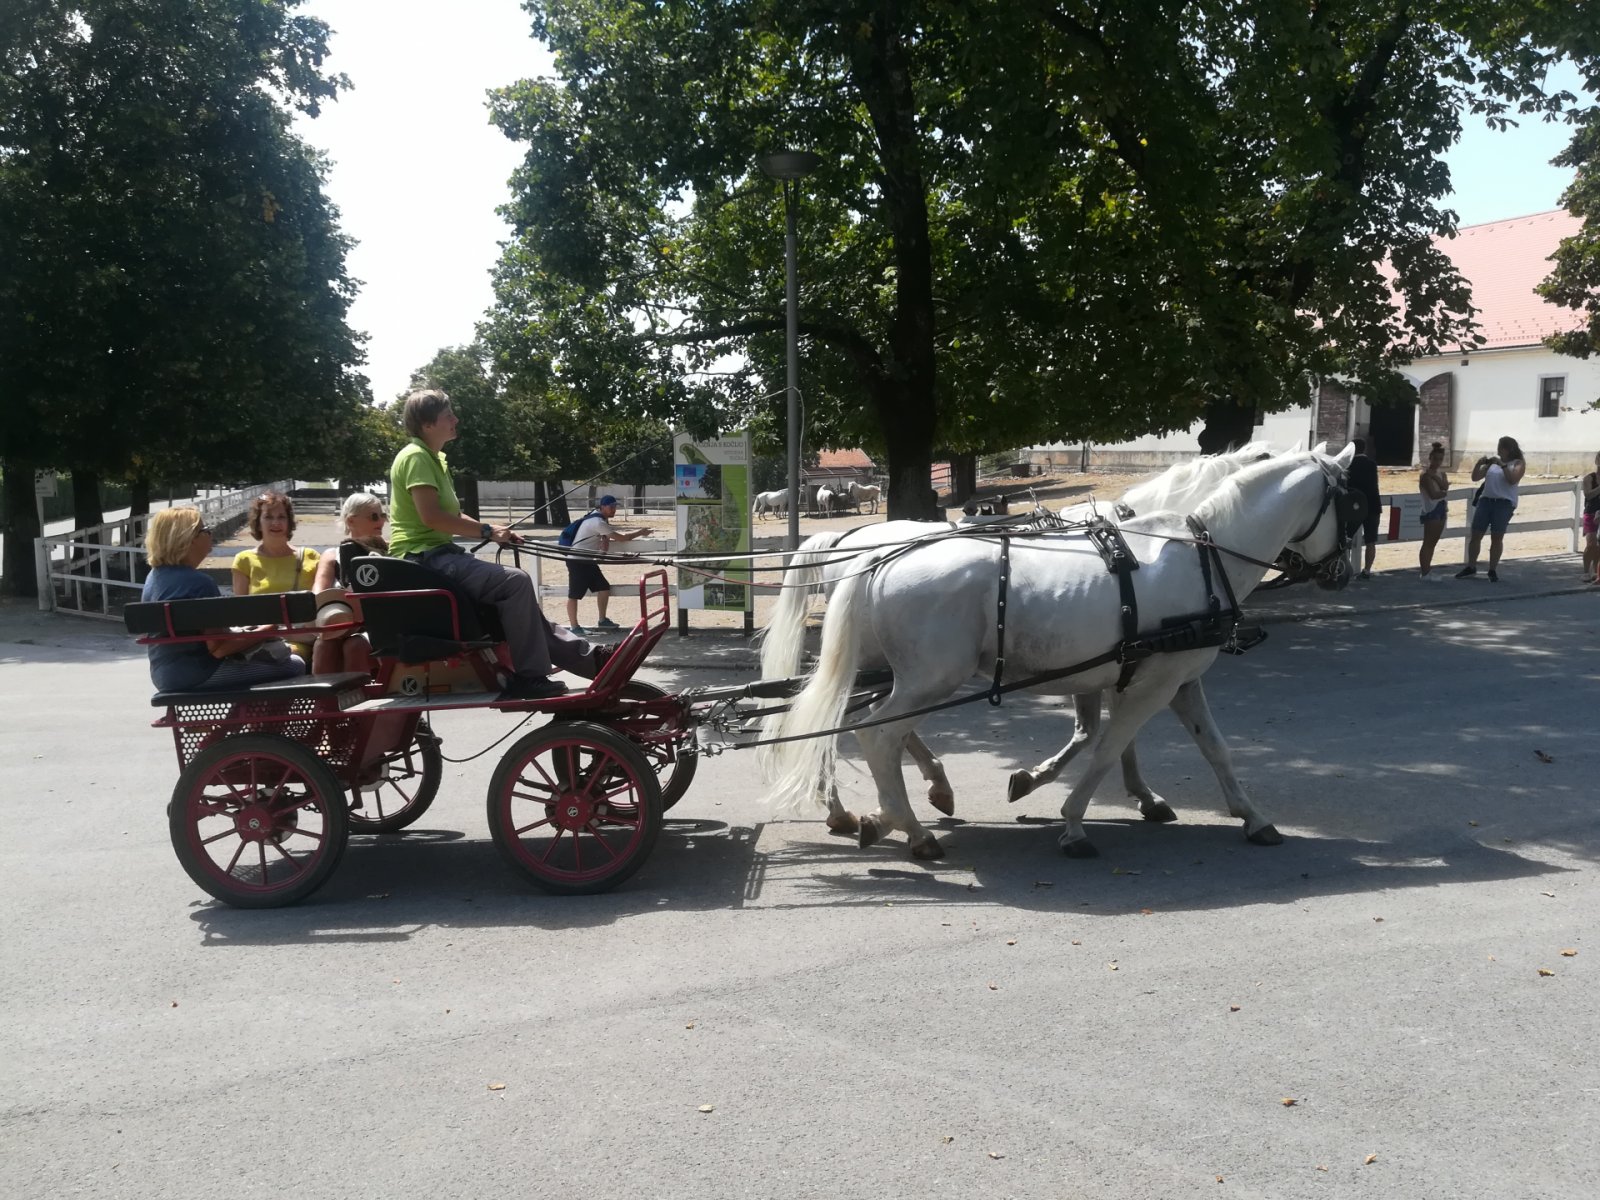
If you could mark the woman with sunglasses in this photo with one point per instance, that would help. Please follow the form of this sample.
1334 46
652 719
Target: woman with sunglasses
176 543
362 516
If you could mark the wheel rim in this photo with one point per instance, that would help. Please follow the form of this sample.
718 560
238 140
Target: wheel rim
399 784
257 823
572 810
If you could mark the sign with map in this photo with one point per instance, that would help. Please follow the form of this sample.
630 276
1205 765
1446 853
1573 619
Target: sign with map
712 488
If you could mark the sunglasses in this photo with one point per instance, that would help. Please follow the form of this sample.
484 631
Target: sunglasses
202 529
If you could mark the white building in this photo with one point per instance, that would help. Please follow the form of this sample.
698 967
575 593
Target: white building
1510 386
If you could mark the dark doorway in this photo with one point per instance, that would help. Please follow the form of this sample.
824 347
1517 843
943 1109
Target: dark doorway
1391 433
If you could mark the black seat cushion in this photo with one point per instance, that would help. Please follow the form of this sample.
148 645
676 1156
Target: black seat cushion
280 689
190 617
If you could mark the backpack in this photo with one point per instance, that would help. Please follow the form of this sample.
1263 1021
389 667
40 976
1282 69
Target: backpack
570 533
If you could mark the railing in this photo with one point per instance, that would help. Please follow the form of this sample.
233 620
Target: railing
1409 507
92 572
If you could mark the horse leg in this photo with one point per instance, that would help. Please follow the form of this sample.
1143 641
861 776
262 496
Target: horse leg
1151 806
940 794
1190 705
1127 717
882 747
1086 721
840 818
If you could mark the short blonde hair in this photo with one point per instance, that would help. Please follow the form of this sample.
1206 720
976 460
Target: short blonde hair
170 534
423 407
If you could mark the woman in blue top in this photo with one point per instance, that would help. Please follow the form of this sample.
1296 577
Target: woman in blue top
176 543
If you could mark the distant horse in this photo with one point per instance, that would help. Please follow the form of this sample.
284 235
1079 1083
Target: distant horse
770 502
1064 608
864 493
827 500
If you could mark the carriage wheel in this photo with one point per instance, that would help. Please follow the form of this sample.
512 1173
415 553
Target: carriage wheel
675 763
258 821
575 807
406 782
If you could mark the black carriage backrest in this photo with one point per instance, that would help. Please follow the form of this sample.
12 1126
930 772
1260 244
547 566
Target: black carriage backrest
349 551
189 617
415 628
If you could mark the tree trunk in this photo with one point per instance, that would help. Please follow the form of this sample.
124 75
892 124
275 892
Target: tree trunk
19 523
557 504
467 493
1228 426
910 453
963 478
139 497
86 510
638 499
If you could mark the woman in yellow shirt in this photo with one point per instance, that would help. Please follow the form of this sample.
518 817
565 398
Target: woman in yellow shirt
275 565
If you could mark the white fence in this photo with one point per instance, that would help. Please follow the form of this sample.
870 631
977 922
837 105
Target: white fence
93 572
1404 523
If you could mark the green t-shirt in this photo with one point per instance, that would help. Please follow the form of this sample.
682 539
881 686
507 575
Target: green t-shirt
417 466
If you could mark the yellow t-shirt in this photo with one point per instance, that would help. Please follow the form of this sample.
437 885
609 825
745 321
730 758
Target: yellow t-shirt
284 573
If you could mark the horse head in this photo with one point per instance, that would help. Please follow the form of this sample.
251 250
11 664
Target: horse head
1321 552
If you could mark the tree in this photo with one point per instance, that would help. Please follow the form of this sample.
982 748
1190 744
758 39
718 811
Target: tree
1575 281
172 282
1033 221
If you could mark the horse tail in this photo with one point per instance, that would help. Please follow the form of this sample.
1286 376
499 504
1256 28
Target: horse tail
803 771
784 637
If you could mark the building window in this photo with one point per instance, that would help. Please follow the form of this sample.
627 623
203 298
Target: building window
1551 389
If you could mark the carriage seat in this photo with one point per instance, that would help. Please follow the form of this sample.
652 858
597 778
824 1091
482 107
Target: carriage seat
316 686
190 618
428 618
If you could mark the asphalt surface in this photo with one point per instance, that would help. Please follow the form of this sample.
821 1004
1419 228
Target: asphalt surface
1002 1023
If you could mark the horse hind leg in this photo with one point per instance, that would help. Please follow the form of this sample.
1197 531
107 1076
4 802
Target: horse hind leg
882 749
1086 715
1151 806
1190 705
840 818
940 794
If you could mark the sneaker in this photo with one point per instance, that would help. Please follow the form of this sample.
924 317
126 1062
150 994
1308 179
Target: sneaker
1364 575
1465 571
1494 576
579 630
533 687
606 623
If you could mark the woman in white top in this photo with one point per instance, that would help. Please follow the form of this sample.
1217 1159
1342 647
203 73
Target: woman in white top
1434 485
1500 472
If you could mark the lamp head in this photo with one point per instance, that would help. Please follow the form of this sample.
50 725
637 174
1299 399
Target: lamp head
789 164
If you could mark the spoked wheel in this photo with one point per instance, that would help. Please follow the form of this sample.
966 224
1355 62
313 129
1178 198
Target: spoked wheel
258 821
575 807
402 786
675 763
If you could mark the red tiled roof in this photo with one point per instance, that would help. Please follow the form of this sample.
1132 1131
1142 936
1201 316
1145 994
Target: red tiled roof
1504 260
844 460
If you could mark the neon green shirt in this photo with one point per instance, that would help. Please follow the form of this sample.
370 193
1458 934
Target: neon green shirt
417 466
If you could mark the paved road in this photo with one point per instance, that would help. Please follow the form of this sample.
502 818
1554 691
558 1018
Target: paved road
1004 1023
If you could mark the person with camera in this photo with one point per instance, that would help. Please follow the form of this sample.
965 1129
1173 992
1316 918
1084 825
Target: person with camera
1500 473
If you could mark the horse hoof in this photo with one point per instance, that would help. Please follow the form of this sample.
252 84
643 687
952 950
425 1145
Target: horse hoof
1079 848
1267 835
927 849
869 831
1159 811
1021 784
944 802
844 822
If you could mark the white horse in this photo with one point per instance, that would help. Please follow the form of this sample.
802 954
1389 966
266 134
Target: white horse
822 561
770 502
864 493
826 499
1063 610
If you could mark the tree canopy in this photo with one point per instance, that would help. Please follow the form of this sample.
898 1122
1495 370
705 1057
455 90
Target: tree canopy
172 284
1035 220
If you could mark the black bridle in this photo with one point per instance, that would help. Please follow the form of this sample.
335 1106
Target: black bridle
1333 570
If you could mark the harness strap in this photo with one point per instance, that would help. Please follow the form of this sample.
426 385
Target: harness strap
995 692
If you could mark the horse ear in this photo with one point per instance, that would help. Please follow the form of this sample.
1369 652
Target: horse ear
1294 449
1346 456
1320 449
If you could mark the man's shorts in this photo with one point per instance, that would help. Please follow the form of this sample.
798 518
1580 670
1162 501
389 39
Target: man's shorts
584 577
1492 513
1369 525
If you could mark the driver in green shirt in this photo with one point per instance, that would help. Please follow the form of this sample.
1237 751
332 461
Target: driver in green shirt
426 518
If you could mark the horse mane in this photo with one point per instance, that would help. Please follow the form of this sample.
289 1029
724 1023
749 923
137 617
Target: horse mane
1225 502
1180 488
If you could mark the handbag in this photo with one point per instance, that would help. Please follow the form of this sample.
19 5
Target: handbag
1477 495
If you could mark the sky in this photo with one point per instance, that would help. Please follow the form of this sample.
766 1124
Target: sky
418 170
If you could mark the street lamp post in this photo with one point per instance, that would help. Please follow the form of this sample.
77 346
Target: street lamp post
789 167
